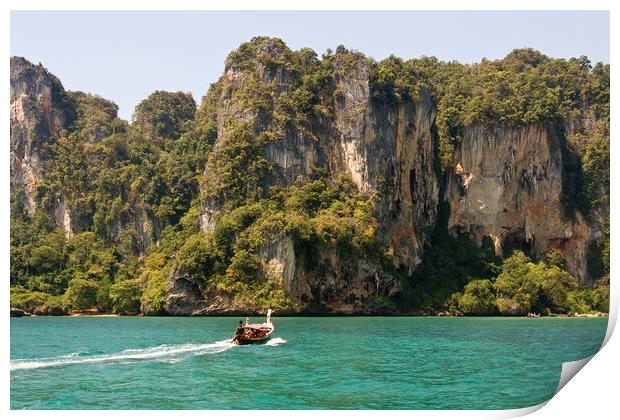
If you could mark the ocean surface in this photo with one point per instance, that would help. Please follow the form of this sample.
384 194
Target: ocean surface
311 363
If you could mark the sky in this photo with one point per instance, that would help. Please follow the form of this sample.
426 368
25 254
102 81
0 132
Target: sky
124 56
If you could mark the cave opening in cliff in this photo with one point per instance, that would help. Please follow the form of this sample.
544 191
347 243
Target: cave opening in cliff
516 241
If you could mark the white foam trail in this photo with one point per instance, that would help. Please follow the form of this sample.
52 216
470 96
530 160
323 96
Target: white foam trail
275 342
170 354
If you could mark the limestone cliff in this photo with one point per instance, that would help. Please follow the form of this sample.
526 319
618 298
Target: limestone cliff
328 282
162 186
39 112
387 149
507 183
44 115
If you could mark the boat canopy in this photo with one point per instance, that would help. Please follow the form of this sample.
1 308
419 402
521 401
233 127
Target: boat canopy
256 326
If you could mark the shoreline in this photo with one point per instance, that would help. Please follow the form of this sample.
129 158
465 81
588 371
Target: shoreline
307 315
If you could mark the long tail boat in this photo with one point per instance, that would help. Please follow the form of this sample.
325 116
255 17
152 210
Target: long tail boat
254 333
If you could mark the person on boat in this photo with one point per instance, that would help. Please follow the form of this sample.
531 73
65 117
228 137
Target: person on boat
238 333
239 330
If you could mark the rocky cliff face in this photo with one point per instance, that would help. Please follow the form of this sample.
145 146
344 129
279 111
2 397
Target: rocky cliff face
39 112
386 149
42 113
507 183
279 120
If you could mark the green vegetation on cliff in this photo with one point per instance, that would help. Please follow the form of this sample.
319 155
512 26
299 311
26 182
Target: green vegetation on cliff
523 286
449 264
459 277
131 194
318 214
525 87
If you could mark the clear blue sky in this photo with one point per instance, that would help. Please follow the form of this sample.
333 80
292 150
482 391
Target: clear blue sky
124 56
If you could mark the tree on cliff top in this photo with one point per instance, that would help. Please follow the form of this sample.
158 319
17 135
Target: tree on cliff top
165 114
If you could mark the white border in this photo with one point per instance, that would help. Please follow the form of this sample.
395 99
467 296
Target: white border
590 395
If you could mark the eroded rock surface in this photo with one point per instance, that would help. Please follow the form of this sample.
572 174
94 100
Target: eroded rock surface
507 184
39 112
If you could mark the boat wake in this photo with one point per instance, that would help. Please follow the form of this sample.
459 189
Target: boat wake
163 353
275 342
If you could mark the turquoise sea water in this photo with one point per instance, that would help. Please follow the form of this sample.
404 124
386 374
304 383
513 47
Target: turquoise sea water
328 363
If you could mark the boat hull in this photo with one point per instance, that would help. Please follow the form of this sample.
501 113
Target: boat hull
245 341
247 338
